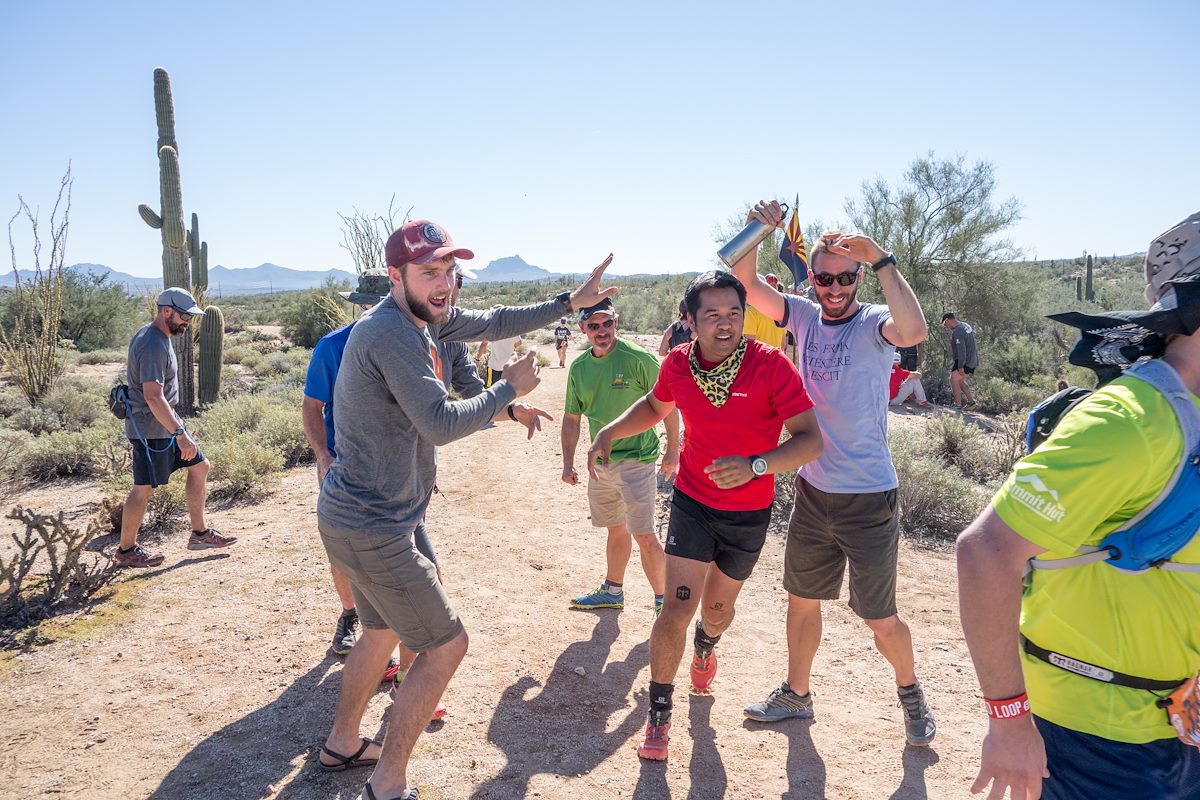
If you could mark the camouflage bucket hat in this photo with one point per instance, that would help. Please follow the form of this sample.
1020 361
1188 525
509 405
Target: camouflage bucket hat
373 286
1175 253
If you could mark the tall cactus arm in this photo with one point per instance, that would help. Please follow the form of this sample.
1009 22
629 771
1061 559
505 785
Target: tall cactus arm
171 195
150 216
164 110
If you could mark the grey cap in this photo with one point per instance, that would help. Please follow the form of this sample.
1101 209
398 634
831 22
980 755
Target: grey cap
180 300
371 289
1174 253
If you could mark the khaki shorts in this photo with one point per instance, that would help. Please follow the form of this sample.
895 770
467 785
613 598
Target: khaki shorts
624 495
394 586
827 531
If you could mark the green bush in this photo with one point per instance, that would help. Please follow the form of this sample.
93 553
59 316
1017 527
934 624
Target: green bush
272 421
1017 358
167 505
238 354
111 356
934 499
998 396
96 313
64 453
68 407
13 448
307 316
242 467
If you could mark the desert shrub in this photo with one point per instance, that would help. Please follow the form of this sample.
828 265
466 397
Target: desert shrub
11 401
544 338
542 359
242 467
274 364
292 379
110 356
50 568
1016 358
97 313
934 499
307 316
252 360
272 421
64 453
949 436
13 445
998 396
67 407
238 354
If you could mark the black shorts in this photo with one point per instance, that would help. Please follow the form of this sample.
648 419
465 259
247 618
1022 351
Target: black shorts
732 540
155 468
956 368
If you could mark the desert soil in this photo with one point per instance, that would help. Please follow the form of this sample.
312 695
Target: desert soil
211 678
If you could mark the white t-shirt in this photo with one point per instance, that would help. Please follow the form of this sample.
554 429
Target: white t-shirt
500 352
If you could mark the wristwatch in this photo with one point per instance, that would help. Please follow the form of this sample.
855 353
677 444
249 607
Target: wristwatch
565 299
179 432
883 262
758 465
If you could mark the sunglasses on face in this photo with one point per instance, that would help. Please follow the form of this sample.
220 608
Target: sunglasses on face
458 281
842 278
595 326
183 315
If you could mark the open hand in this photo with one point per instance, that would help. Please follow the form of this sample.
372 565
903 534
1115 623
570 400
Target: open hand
530 416
600 451
854 245
729 471
590 293
522 374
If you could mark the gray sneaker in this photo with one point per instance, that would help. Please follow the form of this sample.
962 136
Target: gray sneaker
782 704
345 636
919 724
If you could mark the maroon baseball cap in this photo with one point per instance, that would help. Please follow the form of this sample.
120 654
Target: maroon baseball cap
420 242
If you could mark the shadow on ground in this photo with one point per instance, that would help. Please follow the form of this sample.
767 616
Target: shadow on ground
270 745
570 715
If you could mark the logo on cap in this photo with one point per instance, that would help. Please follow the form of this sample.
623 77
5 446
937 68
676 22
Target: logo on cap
433 233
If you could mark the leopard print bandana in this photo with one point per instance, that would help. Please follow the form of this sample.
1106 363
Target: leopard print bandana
717 382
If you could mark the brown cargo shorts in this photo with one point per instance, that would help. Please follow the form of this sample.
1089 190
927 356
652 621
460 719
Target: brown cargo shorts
828 531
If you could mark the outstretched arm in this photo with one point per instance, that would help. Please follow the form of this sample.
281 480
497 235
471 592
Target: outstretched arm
641 416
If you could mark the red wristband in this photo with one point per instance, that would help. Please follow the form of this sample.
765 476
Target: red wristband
1010 708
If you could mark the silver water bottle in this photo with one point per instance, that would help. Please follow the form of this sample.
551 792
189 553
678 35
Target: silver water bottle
747 239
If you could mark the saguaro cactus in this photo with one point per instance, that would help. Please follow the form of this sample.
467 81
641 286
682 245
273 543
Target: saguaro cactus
180 246
212 353
1091 286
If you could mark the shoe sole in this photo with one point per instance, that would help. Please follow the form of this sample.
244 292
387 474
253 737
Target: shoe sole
920 742
763 718
651 756
138 566
207 545
579 607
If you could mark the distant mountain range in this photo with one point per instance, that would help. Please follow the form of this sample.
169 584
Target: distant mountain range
274 278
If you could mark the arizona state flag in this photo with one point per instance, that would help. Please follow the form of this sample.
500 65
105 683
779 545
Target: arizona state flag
792 253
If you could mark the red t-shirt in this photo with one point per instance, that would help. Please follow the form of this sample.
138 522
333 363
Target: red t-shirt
766 391
897 378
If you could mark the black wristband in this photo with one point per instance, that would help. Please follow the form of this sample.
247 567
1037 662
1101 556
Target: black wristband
565 299
883 262
511 415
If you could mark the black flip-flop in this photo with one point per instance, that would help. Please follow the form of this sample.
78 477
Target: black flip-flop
347 762
412 794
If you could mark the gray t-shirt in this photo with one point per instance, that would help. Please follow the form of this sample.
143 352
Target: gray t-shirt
845 365
962 345
391 411
151 358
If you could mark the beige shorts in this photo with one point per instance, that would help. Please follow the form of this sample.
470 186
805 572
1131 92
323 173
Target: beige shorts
624 495
394 586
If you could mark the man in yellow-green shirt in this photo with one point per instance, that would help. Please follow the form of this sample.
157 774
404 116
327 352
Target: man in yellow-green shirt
1054 731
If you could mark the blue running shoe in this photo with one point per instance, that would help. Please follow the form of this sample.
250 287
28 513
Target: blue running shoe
600 598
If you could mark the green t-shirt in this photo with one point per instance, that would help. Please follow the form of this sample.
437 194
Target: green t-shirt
602 388
1103 464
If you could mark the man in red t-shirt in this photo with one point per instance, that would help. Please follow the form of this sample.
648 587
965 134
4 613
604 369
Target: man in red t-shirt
903 384
735 396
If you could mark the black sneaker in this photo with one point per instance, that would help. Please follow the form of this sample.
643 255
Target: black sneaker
345 636
919 724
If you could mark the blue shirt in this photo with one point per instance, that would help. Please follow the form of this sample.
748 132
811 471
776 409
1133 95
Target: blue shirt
322 374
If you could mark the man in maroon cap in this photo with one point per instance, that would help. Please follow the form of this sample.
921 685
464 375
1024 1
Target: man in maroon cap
392 410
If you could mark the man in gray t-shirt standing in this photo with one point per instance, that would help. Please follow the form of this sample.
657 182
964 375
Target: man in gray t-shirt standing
966 359
391 410
160 444
845 509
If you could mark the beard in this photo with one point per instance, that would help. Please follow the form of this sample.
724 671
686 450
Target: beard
176 327
422 310
838 311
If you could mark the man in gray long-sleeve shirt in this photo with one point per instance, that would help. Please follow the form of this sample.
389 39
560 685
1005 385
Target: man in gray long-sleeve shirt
391 411
966 359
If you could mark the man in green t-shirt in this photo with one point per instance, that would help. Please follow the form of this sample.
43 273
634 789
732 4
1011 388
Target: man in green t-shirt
603 382
1074 660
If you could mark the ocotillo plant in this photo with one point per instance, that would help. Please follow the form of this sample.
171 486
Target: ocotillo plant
179 244
212 353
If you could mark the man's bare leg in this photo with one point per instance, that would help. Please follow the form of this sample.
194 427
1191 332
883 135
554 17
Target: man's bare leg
197 491
654 560
360 681
894 640
803 639
341 584
132 514
685 584
617 552
415 700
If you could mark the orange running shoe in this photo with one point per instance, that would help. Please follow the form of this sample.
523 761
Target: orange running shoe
654 742
704 670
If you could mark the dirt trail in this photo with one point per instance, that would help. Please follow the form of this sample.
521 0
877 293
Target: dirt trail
214 679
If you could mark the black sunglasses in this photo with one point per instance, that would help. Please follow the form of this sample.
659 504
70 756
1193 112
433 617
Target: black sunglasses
842 278
184 315
458 281
595 326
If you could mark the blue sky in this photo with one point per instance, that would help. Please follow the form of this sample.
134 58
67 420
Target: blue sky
563 131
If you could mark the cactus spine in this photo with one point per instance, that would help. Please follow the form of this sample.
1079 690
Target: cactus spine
212 352
180 246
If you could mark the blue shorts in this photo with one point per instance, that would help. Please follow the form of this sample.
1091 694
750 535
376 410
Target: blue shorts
155 468
1087 767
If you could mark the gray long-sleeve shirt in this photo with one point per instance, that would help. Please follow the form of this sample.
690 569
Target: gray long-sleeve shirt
962 343
391 411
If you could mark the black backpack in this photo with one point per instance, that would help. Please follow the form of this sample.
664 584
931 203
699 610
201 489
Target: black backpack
1045 415
118 401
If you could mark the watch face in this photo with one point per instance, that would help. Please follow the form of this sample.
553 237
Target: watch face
759 465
